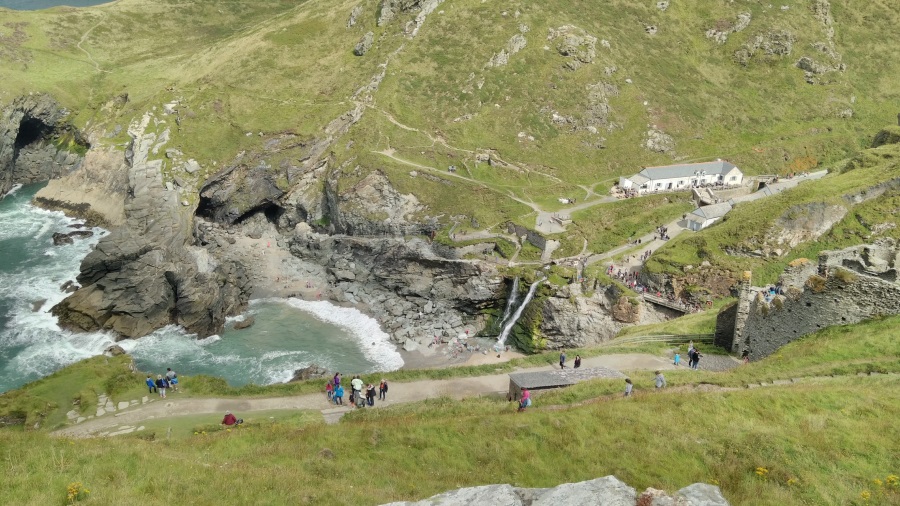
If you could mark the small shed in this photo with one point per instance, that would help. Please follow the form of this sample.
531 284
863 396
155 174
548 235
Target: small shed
705 216
540 380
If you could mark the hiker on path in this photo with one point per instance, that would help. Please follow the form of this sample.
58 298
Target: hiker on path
382 390
151 384
357 384
337 379
161 385
370 395
660 380
562 360
339 395
677 359
697 356
628 387
172 378
577 361
231 419
329 390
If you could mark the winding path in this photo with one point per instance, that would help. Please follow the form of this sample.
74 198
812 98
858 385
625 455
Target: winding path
399 393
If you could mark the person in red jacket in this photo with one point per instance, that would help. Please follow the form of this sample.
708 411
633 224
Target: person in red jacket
231 419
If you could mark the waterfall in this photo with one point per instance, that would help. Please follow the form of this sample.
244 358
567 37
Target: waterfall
501 341
510 302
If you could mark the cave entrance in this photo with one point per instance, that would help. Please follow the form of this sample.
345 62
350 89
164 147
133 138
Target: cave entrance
31 130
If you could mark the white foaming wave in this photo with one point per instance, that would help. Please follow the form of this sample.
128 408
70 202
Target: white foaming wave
48 352
12 191
206 341
374 342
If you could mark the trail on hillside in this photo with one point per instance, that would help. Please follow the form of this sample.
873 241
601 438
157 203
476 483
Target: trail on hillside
399 393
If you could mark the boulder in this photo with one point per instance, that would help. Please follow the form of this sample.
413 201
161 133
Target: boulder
246 323
60 239
37 305
114 350
364 44
310 372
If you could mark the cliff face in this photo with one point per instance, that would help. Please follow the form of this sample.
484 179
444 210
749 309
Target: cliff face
36 143
146 274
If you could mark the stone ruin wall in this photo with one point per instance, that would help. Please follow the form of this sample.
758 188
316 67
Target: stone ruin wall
845 287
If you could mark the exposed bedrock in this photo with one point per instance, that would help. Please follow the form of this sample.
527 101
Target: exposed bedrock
36 142
146 273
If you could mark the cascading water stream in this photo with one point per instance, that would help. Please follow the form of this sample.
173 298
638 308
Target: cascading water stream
501 341
511 302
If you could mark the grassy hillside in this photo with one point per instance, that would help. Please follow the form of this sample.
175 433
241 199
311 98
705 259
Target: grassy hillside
821 441
247 73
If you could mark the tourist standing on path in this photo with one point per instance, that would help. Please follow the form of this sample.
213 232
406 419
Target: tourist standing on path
382 390
337 380
660 380
628 387
577 361
370 395
697 356
151 384
357 384
329 390
677 358
161 385
562 360
172 378
339 395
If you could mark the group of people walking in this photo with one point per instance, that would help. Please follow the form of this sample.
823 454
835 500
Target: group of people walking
169 381
360 394
562 360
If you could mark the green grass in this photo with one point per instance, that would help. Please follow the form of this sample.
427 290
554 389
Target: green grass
664 439
280 68
703 322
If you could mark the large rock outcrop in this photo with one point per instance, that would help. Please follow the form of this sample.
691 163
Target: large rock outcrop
606 491
36 142
146 274
410 289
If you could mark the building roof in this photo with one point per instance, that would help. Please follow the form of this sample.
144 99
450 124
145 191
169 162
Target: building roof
561 378
713 211
639 179
686 170
540 379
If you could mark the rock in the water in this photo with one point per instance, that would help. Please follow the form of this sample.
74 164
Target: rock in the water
364 44
37 305
245 323
59 239
309 372
115 350
69 286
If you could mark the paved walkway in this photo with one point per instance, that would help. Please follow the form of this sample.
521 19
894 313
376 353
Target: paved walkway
413 391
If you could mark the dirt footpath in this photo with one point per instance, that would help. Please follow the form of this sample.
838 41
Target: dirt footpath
413 391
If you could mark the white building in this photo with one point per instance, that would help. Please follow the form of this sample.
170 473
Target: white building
705 216
683 177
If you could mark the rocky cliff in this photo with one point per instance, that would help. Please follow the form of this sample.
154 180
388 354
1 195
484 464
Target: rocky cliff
608 491
36 141
146 273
